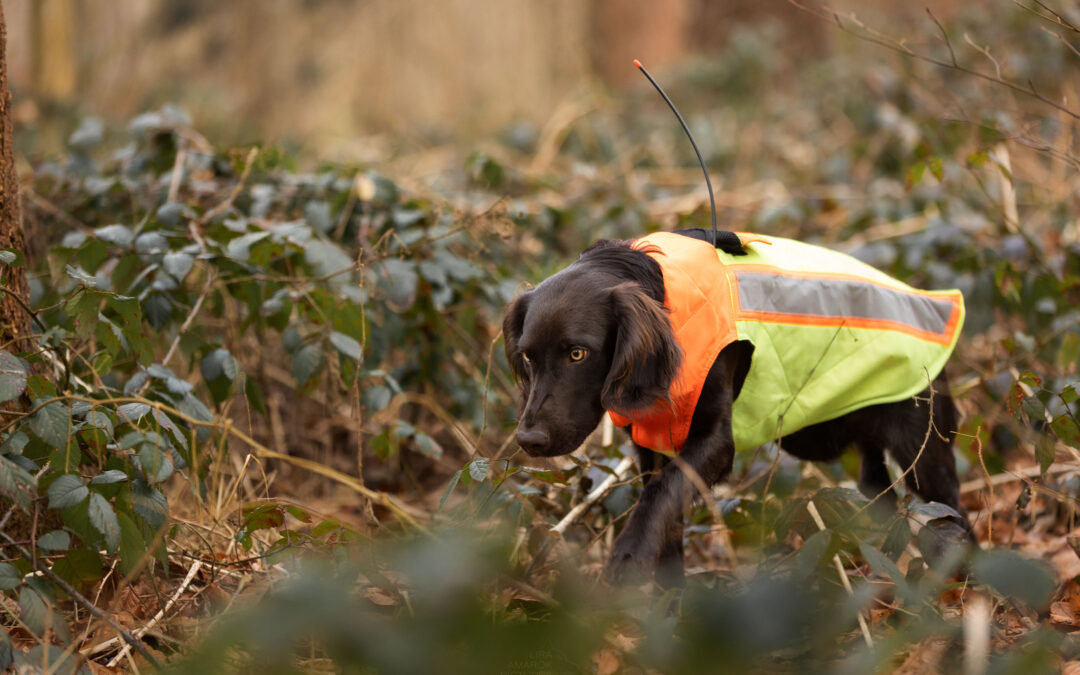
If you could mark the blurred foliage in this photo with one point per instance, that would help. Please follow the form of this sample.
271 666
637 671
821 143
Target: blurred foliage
185 290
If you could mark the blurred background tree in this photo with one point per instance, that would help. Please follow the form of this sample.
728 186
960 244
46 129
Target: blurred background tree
332 71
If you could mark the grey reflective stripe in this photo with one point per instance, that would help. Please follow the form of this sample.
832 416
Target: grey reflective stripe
764 292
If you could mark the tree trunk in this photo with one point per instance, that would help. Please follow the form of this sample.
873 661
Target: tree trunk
14 320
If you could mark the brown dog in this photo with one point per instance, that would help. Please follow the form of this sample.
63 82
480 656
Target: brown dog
596 337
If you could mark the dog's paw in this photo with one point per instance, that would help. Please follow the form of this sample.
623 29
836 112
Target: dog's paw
630 563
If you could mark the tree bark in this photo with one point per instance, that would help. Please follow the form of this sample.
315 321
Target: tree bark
14 320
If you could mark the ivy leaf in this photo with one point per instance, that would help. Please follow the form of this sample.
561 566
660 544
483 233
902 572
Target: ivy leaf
57 540
104 519
67 491
13 372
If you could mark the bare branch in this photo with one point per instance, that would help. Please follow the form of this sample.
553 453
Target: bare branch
1053 17
985 51
867 34
945 37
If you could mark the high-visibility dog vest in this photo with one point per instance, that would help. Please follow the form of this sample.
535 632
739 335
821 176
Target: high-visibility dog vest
830 335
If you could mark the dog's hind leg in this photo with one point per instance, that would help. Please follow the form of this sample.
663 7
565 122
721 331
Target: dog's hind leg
925 440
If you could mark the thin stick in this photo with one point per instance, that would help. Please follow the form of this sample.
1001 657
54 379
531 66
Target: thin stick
598 492
195 567
220 208
812 510
81 599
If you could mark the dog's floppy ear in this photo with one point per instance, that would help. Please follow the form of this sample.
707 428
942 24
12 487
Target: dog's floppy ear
646 357
513 324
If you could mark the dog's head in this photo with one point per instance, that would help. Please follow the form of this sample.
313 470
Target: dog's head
592 338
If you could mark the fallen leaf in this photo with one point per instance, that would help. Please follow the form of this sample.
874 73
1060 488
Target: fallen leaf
607 662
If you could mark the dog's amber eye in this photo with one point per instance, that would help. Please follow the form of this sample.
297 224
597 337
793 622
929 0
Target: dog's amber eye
578 353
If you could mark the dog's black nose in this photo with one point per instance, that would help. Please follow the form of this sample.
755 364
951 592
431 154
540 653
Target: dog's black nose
534 441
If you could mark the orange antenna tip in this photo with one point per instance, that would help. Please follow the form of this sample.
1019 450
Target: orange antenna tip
637 63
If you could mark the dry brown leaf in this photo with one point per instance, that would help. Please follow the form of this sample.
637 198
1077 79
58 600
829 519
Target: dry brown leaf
379 597
607 662
1062 613
1070 668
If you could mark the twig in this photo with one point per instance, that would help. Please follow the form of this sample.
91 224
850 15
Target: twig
81 599
195 567
945 37
976 635
177 175
812 510
622 467
190 318
866 34
1018 475
220 208
1053 17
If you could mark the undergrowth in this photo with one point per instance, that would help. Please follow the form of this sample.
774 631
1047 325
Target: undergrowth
267 422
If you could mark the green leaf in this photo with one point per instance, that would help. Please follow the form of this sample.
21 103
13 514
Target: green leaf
7 652
13 372
155 462
32 610
426 445
1066 429
57 540
10 577
307 362
149 503
884 567
219 363
50 423
811 554
450 488
118 235
132 412
104 519
178 264
1069 395
1044 452
109 477
479 468
1014 576
132 545
16 483
915 174
347 346
936 167
896 539
67 491
78 274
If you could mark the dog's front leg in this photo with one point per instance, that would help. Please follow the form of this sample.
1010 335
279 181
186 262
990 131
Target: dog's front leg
653 535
